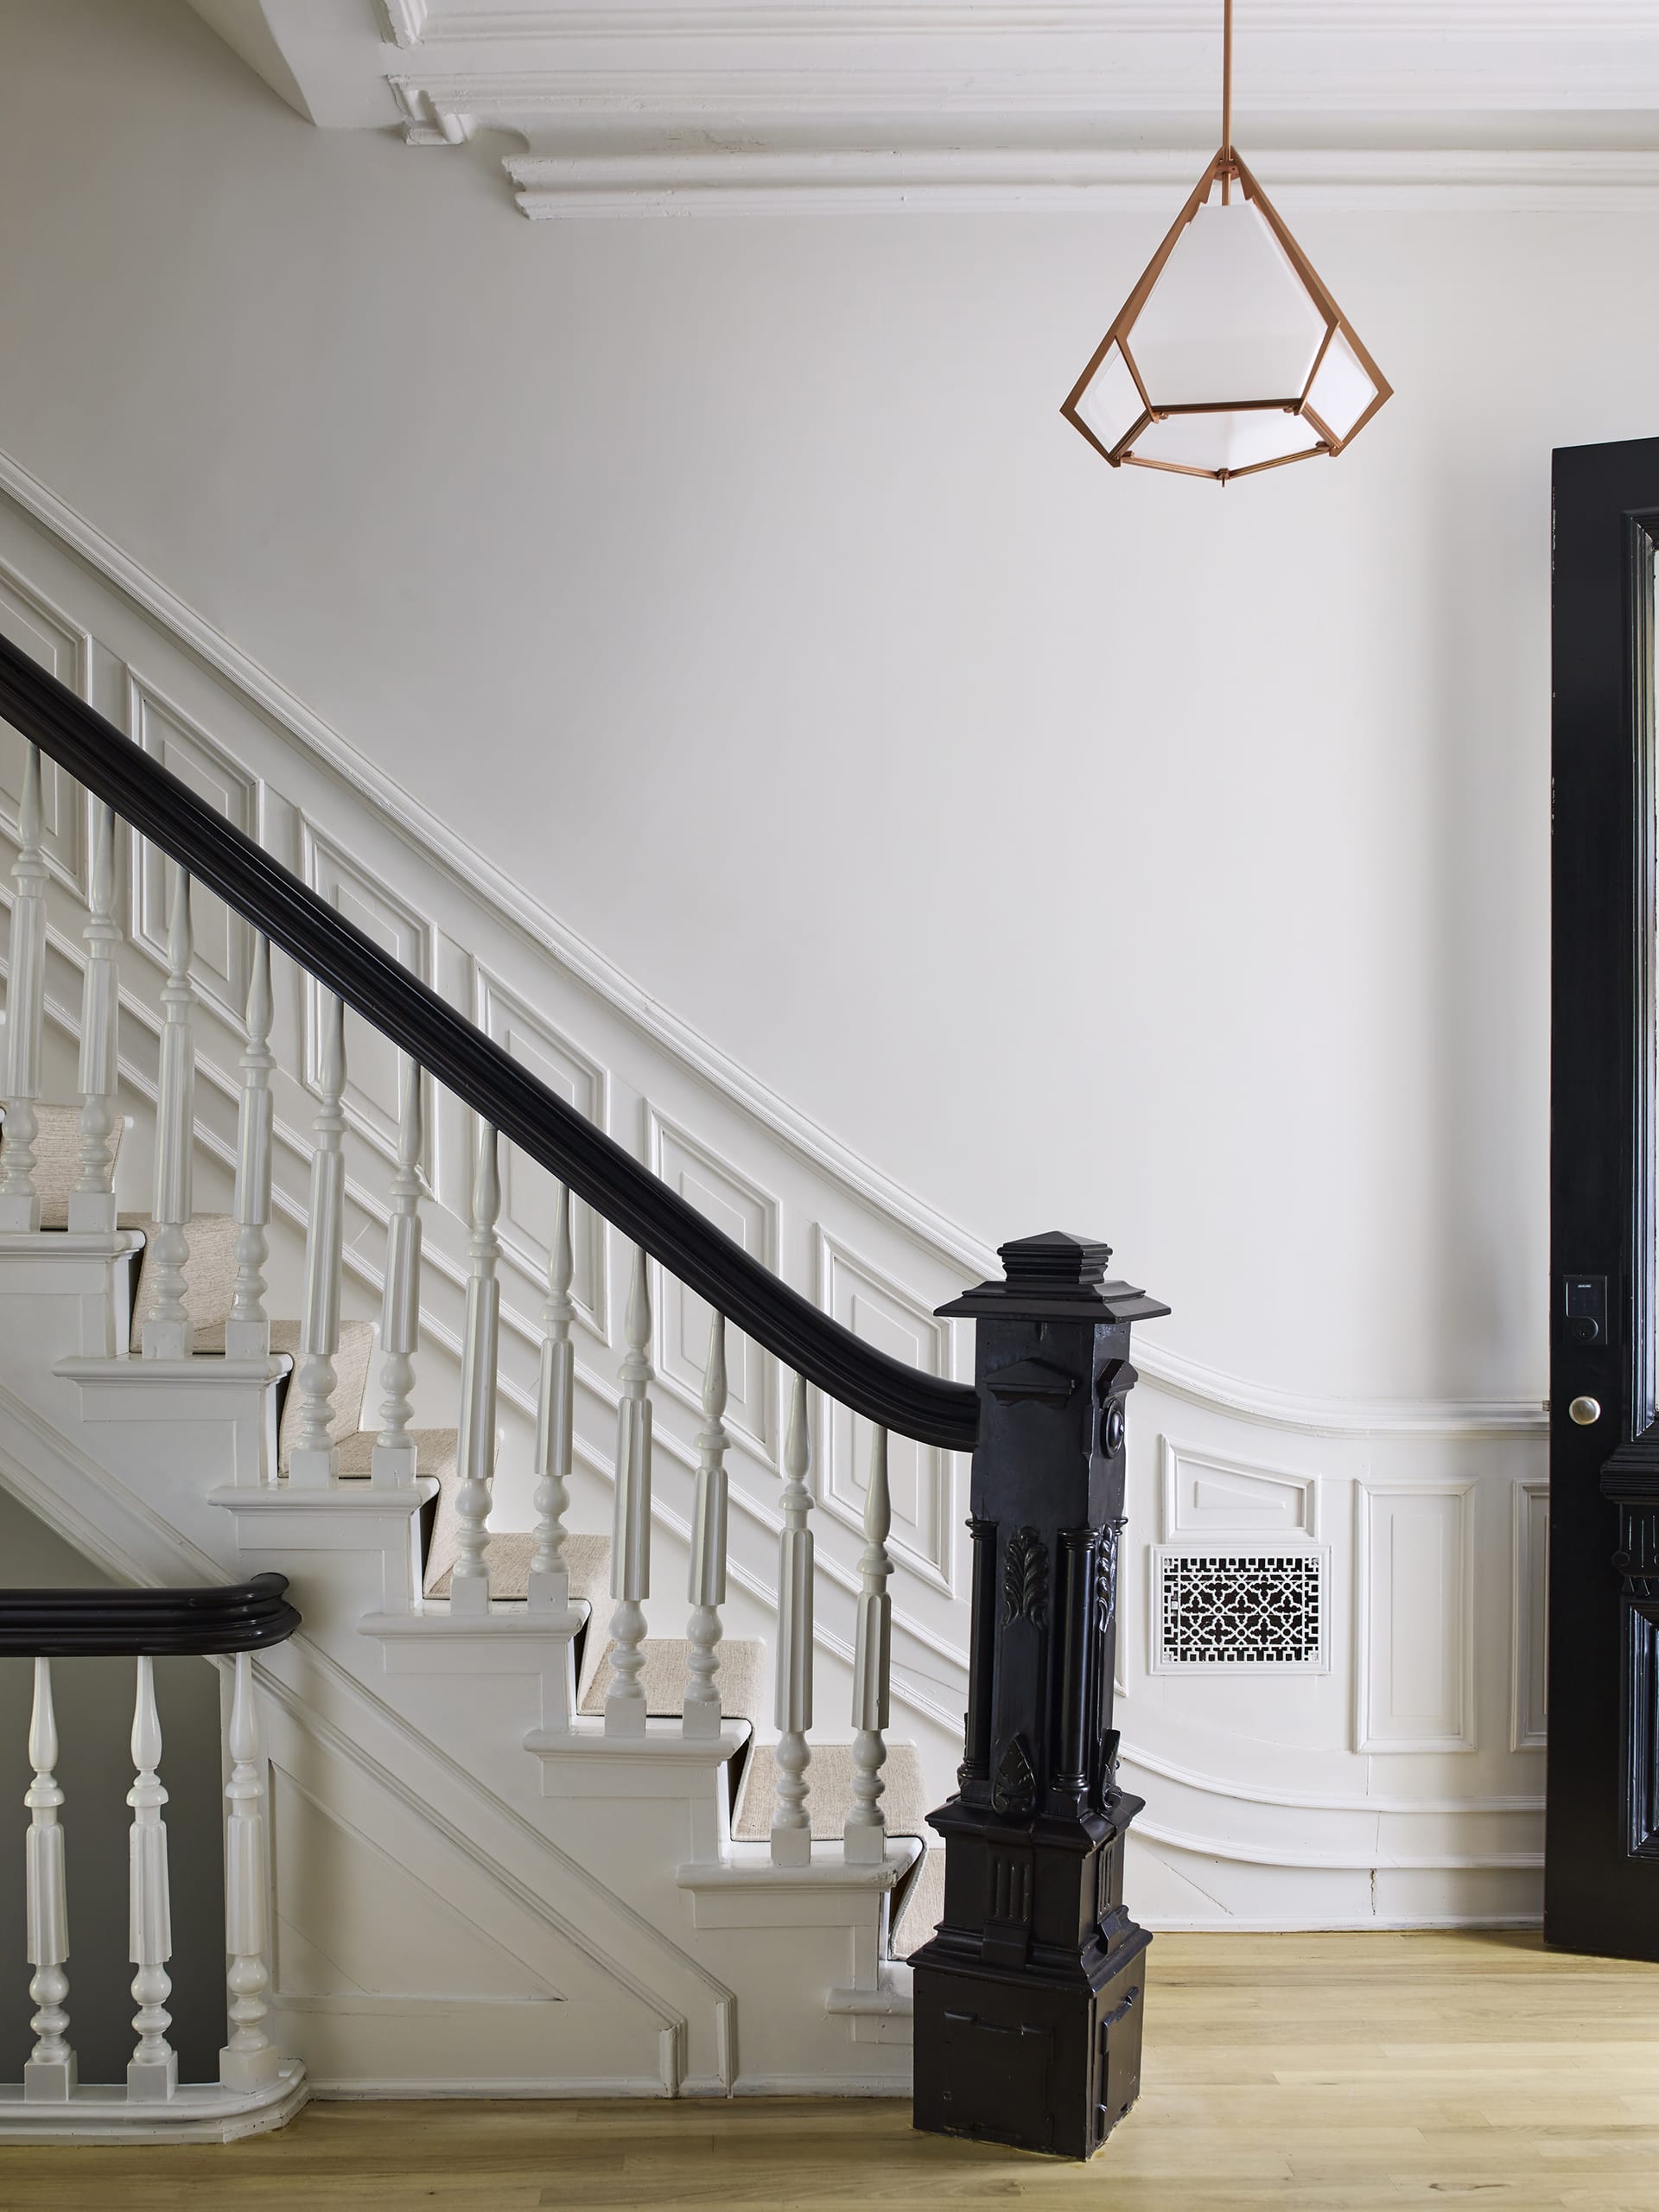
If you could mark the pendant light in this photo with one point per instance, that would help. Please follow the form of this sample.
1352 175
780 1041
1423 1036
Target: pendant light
1228 356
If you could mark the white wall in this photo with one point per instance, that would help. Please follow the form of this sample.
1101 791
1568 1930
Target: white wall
1083 848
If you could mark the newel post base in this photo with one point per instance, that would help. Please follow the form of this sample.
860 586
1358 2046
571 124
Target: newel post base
1030 1997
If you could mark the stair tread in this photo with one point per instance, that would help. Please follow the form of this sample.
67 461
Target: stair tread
435 1450
57 1158
904 1802
667 1675
508 1555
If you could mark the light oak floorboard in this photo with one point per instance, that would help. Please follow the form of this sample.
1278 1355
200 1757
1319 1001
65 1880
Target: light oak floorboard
1344 2073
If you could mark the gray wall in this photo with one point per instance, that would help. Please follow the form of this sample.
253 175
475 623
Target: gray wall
94 1707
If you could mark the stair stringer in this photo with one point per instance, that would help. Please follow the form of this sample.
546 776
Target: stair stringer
679 2015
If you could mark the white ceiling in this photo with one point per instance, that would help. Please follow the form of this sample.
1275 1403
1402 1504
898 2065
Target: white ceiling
683 107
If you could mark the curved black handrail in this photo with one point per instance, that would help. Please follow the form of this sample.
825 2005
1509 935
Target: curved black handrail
349 963
156 1624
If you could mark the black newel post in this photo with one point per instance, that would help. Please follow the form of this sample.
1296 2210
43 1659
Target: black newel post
1029 1999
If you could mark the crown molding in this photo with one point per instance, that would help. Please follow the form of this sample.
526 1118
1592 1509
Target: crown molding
724 183
432 23
751 106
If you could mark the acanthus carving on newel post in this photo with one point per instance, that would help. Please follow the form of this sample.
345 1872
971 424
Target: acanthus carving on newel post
1028 1999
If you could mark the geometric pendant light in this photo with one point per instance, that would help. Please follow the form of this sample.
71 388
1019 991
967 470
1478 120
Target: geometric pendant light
1229 356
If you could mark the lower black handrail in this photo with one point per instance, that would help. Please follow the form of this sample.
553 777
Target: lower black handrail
347 962
146 1624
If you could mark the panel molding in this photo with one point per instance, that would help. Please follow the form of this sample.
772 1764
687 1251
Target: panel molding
504 1014
154 721
66 842
1375 1594
1287 1503
925 1538
1529 1614
752 1373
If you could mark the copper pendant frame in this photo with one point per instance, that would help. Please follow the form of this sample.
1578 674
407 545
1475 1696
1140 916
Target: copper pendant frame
1226 169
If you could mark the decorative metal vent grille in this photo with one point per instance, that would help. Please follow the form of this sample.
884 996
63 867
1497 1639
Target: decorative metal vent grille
1241 1608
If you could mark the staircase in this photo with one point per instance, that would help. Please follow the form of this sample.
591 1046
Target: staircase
636 1861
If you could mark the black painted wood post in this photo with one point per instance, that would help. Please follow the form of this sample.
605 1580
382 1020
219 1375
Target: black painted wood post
1029 1999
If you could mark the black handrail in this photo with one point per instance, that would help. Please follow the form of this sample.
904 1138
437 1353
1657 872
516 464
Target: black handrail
345 961
85 1624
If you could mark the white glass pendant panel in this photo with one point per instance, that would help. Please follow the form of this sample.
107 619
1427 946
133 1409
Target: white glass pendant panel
1111 404
1228 318
1343 389
1238 440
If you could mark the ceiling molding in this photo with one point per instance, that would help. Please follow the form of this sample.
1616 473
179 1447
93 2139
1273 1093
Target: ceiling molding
725 183
752 106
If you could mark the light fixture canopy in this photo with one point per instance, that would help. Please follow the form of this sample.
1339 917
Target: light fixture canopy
1229 356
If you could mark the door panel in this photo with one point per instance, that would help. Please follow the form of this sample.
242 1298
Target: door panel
1601 1878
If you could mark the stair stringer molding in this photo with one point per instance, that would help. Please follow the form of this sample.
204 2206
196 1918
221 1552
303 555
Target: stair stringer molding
627 1996
1277 1799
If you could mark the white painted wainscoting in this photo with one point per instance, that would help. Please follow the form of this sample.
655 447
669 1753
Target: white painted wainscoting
1352 1739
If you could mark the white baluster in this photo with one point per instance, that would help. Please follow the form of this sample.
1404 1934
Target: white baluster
395 1452
314 1458
170 1334
49 2074
469 1585
153 2071
866 1830
549 1578
247 1333
20 1203
791 1824
624 1701
91 1203
250 2059
706 1587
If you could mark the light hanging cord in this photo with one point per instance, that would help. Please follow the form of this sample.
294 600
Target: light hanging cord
1229 356
1227 102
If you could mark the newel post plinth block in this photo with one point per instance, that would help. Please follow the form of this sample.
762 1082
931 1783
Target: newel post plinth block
1029 1999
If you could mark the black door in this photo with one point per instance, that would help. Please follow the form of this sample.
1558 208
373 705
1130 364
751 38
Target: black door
1601 1875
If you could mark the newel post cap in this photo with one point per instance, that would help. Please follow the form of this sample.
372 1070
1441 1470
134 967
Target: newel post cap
1056 1276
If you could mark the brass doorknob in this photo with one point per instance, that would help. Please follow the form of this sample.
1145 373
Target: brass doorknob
1585 1411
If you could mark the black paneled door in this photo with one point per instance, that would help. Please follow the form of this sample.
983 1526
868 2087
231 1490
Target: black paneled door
1601 1874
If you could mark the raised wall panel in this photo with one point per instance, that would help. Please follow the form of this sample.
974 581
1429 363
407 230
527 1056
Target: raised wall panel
1529 1596
529 1193
371 1060
1208 1495
51 638
885 1314
223 940
1414 1617
748 1215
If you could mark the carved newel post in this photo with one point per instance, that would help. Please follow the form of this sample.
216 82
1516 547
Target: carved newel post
1029 1999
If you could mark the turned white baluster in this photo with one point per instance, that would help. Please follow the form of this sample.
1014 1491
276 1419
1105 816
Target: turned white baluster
49 2074
624 1701
247 1331
469 1585
791 1824
549 1578
91 1203
706 1587
250 2059
153 2071
866 1830
170 1334
314 1457
395 1452
20 1203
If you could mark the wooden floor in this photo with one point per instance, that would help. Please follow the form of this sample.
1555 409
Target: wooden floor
1338 2073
